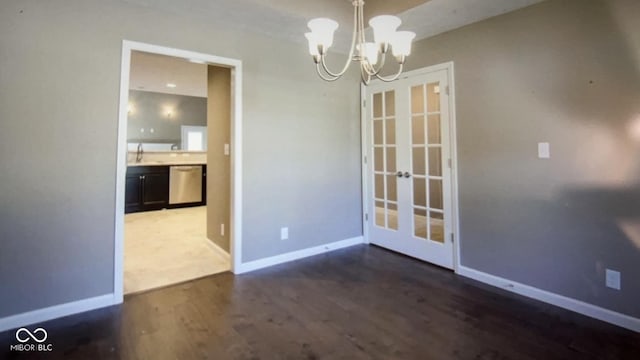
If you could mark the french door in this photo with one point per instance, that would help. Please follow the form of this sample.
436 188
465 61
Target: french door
409 166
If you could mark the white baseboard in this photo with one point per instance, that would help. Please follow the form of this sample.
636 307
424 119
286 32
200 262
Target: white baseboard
57 311
220 251
295 255
578 306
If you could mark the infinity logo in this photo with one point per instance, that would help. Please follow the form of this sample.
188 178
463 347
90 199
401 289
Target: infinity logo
31 335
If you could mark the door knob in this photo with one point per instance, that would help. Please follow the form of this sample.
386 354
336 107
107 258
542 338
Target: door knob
399 174
407 175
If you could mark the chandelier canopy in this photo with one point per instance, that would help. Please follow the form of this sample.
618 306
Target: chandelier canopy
370 55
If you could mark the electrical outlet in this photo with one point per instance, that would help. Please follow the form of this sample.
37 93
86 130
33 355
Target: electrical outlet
221 229
284 233
227 150
613 279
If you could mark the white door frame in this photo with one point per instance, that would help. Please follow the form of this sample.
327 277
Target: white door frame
236 151
448 66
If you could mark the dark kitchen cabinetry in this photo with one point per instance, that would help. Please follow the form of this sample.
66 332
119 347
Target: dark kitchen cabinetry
147 188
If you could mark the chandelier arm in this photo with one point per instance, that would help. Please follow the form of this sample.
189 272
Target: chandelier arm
394 77
366 78
323 76
383 61
353 46
371 70
367 68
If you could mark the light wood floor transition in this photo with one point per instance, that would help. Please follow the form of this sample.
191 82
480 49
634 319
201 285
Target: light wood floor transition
167 247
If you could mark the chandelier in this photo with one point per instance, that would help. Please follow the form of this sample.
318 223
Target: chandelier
370 55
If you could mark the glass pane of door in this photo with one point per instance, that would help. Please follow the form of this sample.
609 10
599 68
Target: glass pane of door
384 160
426 152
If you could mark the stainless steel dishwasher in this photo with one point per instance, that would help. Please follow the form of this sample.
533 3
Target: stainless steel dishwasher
185 184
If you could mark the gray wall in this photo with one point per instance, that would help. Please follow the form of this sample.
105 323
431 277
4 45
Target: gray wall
60 76
566 72
150 111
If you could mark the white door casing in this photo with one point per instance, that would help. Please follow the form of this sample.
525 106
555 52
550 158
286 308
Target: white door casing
236 153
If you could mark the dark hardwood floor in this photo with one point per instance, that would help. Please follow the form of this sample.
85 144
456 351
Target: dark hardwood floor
358 303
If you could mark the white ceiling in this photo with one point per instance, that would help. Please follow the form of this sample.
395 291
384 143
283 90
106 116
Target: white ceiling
152 72
286 19
439 16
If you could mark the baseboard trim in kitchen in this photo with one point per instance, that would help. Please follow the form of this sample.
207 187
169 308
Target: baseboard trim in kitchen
56 311
296 255
220 251
574 305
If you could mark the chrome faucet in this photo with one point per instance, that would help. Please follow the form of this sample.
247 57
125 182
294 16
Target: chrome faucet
139 153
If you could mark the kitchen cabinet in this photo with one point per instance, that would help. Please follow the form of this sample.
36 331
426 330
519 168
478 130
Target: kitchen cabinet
147 188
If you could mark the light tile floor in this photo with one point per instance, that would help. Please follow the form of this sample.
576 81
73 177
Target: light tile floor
167 247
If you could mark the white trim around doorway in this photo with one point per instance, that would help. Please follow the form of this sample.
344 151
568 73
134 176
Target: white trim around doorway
363 158
236 152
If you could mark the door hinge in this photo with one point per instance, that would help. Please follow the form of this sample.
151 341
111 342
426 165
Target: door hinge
365 159
449 162
452 237
364 103
446 90
366 217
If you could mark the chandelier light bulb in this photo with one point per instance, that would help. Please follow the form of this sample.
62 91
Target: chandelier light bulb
369 52
384 26
323 29
401 43
313 44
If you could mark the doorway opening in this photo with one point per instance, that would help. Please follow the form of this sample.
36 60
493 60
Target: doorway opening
178 167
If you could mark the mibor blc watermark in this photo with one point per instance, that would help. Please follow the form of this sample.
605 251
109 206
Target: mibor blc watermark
31 340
